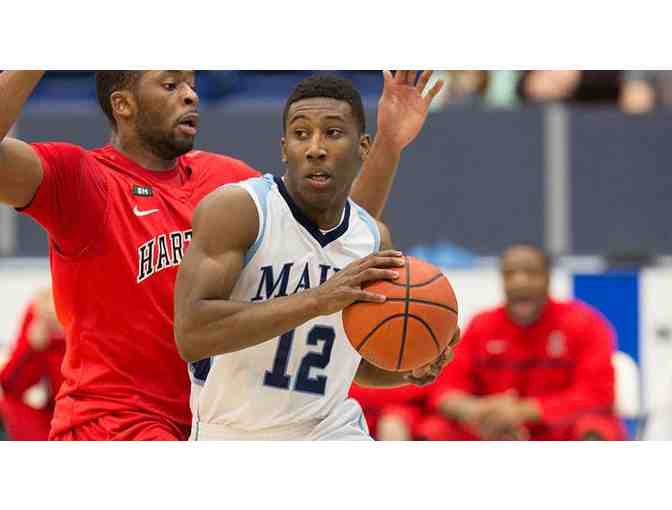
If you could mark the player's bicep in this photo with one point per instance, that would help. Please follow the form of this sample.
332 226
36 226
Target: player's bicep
220 241
20 172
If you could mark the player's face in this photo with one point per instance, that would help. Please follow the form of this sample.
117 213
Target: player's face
166 119
526 283
324 150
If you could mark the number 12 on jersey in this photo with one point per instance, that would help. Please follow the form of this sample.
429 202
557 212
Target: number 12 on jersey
278 376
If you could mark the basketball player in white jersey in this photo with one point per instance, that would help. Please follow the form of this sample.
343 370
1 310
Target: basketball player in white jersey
271 265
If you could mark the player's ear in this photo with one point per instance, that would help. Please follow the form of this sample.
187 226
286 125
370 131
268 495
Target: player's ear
123 104
364 146
283 149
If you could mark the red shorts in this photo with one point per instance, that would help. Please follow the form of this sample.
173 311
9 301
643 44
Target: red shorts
124 426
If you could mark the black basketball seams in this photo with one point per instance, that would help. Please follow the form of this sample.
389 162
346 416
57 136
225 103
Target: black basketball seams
408 295
421 284
425 302
431 332
378 326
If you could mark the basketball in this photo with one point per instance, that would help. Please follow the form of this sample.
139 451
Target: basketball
412 327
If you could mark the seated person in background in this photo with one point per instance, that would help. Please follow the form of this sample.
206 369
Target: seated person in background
392 414
31 377
578 86
644 91
534 368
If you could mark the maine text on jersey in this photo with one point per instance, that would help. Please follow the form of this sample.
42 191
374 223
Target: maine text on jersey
275 283
161 252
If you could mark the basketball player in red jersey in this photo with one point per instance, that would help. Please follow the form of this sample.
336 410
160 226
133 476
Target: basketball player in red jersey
119 223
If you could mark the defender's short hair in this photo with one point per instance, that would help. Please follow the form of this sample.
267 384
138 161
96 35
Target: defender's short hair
108 82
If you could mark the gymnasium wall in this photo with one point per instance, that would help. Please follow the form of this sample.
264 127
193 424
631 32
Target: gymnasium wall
473 177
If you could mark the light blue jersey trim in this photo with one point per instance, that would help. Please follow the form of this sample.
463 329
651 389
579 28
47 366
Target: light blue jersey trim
362 424
260 186
371 223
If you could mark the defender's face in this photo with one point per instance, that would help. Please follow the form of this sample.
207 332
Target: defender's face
526 283
323 149
167 111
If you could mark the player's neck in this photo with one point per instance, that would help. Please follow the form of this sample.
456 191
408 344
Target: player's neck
324 219
134 150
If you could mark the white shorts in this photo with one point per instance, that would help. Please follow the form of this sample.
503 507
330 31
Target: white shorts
345 423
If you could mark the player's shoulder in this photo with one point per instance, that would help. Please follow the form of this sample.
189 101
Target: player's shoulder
226 198
63 150
225 212
220 165
577 313
489 318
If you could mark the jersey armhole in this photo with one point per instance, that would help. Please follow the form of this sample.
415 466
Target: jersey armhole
371 224
258 189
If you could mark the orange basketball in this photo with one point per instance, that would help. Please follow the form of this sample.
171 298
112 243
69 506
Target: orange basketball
412 327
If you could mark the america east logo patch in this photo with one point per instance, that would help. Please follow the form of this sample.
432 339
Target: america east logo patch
142 191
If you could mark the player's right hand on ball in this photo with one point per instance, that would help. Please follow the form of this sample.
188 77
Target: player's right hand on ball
345 287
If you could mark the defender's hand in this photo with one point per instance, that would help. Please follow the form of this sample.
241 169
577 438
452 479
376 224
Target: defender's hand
402 109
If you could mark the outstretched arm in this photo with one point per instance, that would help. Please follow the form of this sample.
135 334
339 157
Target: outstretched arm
402 111
20 167
208 322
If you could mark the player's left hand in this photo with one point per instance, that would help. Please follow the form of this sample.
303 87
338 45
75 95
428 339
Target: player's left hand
403 108
427 375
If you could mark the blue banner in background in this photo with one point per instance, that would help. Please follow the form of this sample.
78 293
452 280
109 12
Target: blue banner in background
616 295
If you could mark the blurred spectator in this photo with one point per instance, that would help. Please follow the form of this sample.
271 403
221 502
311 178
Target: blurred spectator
643 91
534 368
391 414
502 89
462 87
467 86
31 376
578 86
474 87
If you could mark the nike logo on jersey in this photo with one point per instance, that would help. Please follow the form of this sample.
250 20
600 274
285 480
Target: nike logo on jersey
140 213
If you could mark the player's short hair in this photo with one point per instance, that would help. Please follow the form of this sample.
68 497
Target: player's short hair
108 82
546 259
332 86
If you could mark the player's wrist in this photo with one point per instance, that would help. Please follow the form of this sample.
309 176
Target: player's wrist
314 302
387 144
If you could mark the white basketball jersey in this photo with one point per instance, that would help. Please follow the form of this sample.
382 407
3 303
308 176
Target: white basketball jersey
303 375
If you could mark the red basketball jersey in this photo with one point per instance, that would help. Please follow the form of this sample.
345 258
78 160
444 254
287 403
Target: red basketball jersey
117 234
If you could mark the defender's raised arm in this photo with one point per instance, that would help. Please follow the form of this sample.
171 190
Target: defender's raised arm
20 167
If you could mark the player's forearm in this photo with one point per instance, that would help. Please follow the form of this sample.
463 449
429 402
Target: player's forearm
20 168
15 89
220 326
372 187
373 377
